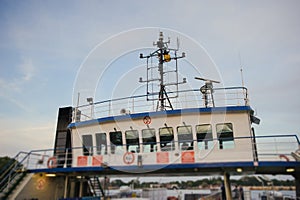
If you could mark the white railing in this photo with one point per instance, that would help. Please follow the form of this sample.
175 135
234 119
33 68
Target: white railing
231 96
269 148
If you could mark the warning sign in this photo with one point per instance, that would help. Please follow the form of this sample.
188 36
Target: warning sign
82 161
162 157
187 157
128 158
40 184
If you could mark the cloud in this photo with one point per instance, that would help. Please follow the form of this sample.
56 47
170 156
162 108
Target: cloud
10 88
27 69
21 135
24 72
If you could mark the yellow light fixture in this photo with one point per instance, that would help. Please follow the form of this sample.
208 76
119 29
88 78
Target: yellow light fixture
50 175
239 170
167 57
290 170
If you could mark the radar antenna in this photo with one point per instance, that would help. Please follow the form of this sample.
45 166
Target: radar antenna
164 54
207 89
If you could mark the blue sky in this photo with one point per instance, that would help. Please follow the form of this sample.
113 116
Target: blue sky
43 44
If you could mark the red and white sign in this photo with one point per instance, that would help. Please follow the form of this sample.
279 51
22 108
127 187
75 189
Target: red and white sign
162 157
187 157
40 184
82 161
128 158
97 160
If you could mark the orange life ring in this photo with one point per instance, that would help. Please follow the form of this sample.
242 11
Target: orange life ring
52 162
147 120
128 158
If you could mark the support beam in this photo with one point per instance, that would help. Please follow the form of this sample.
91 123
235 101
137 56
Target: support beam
297 183
66 186
227 186
81 187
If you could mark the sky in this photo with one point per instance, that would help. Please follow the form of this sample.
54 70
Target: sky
43 45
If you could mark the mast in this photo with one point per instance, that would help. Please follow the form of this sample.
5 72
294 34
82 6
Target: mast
164 54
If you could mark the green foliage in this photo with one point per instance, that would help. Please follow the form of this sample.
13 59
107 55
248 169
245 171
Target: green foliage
4 161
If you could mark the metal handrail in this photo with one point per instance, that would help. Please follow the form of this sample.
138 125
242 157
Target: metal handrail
156 93
135 104
29 161
13 170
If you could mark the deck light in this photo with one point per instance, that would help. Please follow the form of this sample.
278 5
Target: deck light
90 100
50 175
239 170
290 170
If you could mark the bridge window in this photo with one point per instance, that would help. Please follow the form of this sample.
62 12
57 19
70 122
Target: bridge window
101 143
116 143
132 141
87 145
185 137
149 140
204 136
225 136
166 135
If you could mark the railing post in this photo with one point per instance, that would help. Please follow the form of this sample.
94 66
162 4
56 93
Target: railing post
66 158
132 105
27 161
109 108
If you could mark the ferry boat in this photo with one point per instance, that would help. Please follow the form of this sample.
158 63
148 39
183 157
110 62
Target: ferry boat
195 132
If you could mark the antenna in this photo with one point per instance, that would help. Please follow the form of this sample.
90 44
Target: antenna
207 89
164 54
241 70
206 80
242 78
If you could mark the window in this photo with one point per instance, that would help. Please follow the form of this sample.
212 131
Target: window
87 145
149 140
204 136
116 143
166 136
101 143
225 136
185 137
132 141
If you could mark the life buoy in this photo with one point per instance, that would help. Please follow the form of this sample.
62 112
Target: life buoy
285 157
52 162
128 158
147 120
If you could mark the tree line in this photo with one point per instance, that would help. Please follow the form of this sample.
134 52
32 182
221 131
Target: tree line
205 183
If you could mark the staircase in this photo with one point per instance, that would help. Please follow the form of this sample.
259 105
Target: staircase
12 175
96 187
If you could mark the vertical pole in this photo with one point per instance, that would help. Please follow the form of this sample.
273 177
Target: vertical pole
297 183
81 187
66 158
227 186
160 45
161 92
66 186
